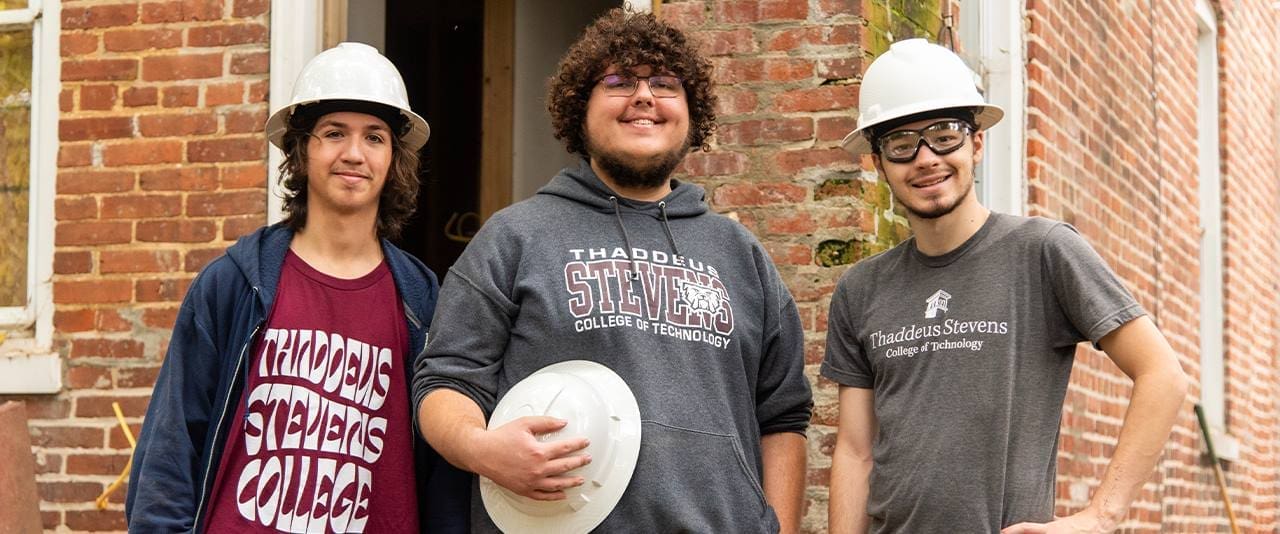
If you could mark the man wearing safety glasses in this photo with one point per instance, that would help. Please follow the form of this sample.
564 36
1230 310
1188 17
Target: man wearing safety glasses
953 350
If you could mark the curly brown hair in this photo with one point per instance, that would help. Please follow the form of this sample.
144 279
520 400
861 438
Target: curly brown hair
629 40
396 203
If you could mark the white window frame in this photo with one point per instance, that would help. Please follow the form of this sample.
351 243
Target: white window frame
1212 338
27 362
1001 65
297 34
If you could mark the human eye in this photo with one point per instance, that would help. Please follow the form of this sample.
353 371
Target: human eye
375 138
618 81
665 83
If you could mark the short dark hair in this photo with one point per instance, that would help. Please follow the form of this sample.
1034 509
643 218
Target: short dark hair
629 40
396 203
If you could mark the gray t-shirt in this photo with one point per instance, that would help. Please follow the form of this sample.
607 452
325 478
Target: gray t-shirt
969 354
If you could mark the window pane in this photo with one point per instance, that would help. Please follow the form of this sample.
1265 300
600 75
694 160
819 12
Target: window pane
15 163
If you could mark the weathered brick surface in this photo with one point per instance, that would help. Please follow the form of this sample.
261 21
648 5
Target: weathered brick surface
162 165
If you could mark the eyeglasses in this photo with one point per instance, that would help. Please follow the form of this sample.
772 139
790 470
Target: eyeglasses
660 85
942 137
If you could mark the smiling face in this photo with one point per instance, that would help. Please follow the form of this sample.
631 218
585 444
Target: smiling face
348 155
932 186
639 139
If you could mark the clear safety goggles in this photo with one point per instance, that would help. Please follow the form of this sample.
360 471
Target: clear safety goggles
942 137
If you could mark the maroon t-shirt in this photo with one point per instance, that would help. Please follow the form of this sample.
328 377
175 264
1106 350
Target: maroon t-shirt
321 441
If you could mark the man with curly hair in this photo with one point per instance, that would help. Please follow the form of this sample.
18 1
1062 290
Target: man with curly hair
283 401
616 262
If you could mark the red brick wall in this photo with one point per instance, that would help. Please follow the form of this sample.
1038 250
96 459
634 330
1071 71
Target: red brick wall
162 163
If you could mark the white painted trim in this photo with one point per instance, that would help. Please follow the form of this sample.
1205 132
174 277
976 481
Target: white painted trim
1212 366
1004 57
27 373
296 37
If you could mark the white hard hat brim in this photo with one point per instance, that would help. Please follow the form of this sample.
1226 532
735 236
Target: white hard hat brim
413 139
986 116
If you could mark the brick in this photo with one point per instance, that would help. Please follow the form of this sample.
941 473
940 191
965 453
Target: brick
728 42
244 176
72 262
142 153
733 102
236 227
744 194
91 291
78 44
741 70
184 178
226 203
66 100
246 121
137 261
84 182
75 208
197 259
227 149
68 321
106 348
91 233
257 92
43 407
181 11
110 320
67 436
717 163
177 231
811 36
181 67
132 40
177 124
227 34
88 377
836 128
141 96
99 70
766 131
133 377
69 492
100 406
97 98
789 253
97 520
828 97
845 68
95 128
99 16
221 94
250 63
791 223
168 290
749 11
249 8
97 464
160 317
833 8
791 161
78 155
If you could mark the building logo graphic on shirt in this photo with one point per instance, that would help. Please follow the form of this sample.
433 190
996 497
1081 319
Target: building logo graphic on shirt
935 303
651 291
312 432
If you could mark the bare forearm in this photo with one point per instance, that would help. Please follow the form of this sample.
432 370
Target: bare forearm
446 419
1153 407
785 457
850 486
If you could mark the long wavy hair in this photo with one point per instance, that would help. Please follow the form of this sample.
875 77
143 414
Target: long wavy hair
396 203
629 40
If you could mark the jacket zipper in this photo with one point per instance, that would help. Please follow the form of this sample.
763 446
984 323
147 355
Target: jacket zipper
217 430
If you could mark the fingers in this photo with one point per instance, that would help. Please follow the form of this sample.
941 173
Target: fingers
1025 528
564 465
540 424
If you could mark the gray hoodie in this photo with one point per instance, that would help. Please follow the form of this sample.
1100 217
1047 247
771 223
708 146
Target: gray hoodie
683 304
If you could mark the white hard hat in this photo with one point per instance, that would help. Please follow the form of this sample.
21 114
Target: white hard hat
916 76
598 405
351 71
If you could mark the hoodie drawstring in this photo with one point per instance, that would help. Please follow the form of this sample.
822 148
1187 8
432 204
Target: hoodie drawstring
662 206
626 239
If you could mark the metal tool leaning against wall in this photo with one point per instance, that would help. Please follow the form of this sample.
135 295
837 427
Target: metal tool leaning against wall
283 401
953 349
614 262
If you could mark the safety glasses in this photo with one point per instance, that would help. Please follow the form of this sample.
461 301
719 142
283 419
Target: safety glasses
942 137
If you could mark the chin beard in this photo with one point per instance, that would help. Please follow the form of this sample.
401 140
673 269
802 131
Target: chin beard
638 173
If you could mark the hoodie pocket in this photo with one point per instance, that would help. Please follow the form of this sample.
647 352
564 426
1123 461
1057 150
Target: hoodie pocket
693 481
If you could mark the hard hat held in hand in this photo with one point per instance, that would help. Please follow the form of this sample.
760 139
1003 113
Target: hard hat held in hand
916 76
351 71
598 405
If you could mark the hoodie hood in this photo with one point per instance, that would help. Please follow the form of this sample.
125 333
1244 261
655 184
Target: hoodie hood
580 184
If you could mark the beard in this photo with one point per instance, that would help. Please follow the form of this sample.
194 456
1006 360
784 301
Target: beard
637 173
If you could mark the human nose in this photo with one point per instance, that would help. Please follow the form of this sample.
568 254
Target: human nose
925 156
352 150
643 93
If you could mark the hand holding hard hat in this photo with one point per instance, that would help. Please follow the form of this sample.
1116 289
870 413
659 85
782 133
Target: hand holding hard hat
595 404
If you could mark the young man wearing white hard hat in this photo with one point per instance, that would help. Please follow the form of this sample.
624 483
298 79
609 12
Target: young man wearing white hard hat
283 401
953 350
616 263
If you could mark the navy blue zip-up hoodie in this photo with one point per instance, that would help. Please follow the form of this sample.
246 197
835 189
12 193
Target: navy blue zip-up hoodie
203 375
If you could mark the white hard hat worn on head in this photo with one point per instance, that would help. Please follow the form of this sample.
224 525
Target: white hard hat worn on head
598 405
915 76
353 72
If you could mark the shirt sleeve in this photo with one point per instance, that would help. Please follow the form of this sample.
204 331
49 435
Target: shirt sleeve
1089 293
784 401
845 362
